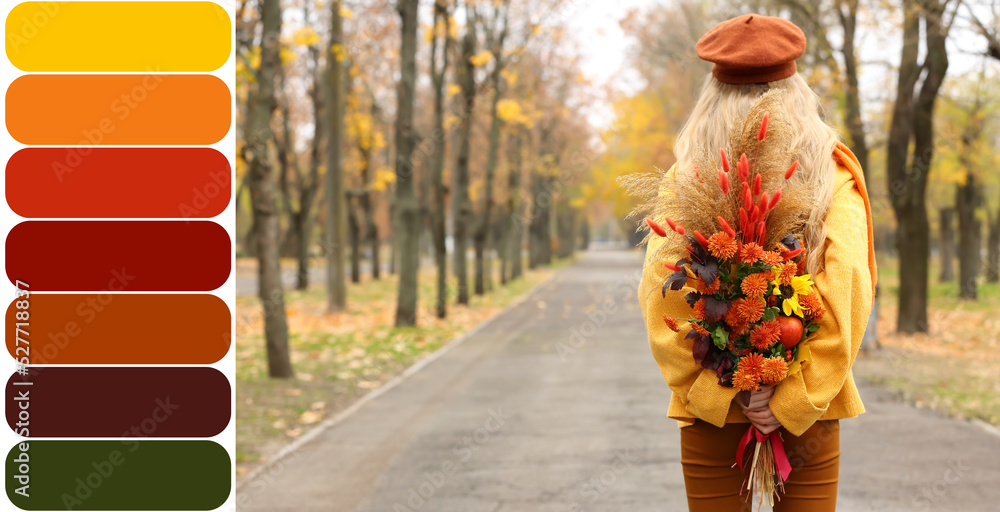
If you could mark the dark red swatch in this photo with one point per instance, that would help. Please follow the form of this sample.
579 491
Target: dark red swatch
119 402
119 255
118 182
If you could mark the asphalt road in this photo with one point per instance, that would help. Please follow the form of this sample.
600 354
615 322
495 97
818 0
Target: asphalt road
557 405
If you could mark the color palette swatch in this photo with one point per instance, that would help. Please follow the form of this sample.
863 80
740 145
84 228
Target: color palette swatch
118 183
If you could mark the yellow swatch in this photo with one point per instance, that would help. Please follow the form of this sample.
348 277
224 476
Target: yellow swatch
118 36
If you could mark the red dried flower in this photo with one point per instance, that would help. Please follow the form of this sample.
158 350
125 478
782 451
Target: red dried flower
725 161
763 128
723 182
658 229
791 170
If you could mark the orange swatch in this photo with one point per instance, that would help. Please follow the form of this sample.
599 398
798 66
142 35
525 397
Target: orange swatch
110 328
90 110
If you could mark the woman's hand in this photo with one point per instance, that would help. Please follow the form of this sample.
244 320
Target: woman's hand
756 408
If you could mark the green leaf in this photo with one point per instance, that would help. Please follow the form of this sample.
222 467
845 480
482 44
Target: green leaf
770 314
812 328
720 337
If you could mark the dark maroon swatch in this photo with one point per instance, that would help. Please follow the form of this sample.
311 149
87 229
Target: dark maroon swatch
118 402
118 255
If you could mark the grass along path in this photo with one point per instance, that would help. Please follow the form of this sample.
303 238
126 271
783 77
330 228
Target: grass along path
339 357
955 368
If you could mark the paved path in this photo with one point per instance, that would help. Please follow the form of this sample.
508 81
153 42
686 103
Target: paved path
518 418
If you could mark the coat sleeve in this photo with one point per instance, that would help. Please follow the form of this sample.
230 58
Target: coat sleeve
845 287
697 388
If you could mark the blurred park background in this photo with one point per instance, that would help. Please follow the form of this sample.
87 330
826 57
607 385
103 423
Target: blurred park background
407 168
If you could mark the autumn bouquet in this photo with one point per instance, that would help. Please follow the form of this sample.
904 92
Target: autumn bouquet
752 303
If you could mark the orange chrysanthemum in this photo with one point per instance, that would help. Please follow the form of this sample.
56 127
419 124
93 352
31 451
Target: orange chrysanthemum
700 330
755 285
671 323
812 305
772 258
722 246
749 309
752 363
698 310
732 317
707 290
739 329
765 334
745 382
786 271
750 253
773 370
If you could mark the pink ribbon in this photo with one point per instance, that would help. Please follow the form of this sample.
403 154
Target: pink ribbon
780 458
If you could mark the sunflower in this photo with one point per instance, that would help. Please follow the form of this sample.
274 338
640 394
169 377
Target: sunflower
722 246
798 285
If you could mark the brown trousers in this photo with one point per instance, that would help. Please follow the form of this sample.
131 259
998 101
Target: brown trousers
713 485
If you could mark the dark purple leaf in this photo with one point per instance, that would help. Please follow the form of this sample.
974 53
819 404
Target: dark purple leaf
701 348
715 309
724 371
674 282
691 298
706 271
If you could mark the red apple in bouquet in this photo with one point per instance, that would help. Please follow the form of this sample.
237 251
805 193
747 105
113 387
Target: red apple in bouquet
791 330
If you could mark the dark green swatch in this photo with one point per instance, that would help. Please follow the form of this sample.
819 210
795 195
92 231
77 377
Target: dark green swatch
127 474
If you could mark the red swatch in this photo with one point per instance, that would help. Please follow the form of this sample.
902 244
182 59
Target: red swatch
118 182
118 255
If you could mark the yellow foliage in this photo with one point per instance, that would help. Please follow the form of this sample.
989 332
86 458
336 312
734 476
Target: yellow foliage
383 177
287 55
354 71
453 89
450 120
338 52
578 202
510 111
255 58
482 58
305 36
346 13
509 75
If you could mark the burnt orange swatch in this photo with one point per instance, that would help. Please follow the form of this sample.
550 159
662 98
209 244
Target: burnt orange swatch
118 109
112 328
118 182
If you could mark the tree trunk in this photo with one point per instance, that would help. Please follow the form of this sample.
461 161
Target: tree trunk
946 247
515 229
462 206
993 250
969 237
855 126
441 15
584 233
354 236
308 192
908 184
481 237
335 198
406 200
262 191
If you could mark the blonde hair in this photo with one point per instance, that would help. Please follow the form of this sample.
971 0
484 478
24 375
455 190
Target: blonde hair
720 105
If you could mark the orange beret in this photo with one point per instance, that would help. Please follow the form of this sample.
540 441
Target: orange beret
752 48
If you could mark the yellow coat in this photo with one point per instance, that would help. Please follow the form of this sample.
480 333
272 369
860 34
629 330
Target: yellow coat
825 388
